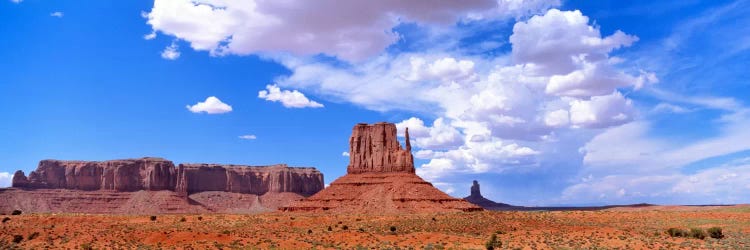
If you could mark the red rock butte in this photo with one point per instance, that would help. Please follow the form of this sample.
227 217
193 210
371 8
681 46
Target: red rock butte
380 179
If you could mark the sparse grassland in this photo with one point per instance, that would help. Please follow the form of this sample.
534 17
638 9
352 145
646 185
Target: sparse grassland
620 229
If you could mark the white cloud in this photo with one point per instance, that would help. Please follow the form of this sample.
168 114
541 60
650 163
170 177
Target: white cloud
56 14
150 36
350 30
630 149
290 99
345 154
171 52
211 105
16 1
5 179
248 137
440 136
664 107
601 111
557 118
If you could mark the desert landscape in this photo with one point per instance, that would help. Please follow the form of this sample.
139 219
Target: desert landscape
380 203
604 229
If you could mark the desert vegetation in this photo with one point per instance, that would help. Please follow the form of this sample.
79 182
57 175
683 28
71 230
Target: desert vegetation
723 228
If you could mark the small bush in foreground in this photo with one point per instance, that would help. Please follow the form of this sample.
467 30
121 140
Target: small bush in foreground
6 219
153 217
698 233
493 243
86 246
393 229
676 232
183 219
715 232
17 239
16 212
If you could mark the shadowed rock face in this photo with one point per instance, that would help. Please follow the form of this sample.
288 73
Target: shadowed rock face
375 149
153 174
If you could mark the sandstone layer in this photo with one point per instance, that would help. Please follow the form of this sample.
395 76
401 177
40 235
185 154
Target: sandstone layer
476 198
380 179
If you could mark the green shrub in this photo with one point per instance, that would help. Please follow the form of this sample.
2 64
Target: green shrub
493 243
345 227
16 212
309 231
183 219
715 232
393 228
698 233
676 232
6 219
200 217
330 229
17 239
153 217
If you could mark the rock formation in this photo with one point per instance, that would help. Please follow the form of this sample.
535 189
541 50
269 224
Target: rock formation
120 175
107 186
380 179
476 198
195 178
375 149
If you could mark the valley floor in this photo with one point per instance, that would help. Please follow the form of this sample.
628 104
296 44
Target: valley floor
621 228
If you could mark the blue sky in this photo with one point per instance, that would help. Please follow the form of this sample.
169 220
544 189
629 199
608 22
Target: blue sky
545 102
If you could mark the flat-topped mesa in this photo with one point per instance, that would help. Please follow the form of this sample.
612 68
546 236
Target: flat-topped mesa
119 175
194 178
153 174
375 149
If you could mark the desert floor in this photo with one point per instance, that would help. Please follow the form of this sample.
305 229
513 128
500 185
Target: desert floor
622 228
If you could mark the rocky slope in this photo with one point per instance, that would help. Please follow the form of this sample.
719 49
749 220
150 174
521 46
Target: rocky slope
380 179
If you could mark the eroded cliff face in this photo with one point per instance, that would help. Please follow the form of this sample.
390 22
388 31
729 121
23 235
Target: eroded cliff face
153 174
120 175
193 178
375 149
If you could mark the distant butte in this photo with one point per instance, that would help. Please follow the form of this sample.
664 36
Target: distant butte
380 179
476 198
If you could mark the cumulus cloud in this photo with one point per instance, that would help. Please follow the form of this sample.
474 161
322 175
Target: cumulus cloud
350 30
211 105
440 136
16 1
5 179
57 14
601 111
290 99
345 154
171 52
489 115
248 137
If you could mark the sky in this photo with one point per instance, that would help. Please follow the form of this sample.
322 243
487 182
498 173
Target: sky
544 102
